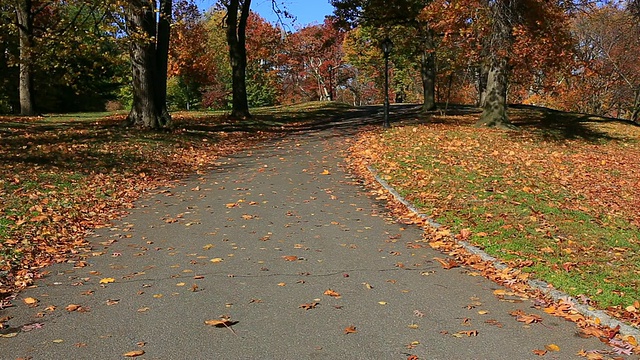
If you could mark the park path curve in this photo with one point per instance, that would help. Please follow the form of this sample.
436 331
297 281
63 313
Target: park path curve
262 239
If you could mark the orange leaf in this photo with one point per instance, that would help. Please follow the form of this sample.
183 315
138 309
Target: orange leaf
72 307
134 353
447 264
330 292
290 258
350 330
540 352
309 306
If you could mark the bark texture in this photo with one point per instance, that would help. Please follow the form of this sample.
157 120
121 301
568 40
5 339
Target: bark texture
428 73
236 39
149 55
24 15
494 109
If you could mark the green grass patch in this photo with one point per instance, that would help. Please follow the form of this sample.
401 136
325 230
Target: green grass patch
559 192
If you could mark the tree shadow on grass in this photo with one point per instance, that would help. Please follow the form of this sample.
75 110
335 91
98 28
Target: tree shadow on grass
102 145
554 125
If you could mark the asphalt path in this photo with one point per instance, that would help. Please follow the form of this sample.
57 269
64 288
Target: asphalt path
302 262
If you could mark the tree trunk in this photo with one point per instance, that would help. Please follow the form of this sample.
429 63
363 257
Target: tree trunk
428 73
494 109
149 52
236 39
483 75
162 60
24 15
635 115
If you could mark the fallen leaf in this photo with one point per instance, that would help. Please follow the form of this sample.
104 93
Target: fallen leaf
326 172
330 292
112 301
525 318
290 258
447 264
72 307
31 301
467 333
552 347
134 353
308 306
107 280
540 352
224 322
350 330
217 260
282 284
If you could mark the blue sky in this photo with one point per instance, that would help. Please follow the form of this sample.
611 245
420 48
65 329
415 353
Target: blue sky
306 11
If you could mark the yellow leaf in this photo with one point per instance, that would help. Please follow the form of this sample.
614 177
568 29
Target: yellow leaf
483 312
107 280
632 340
282 284
180 284
58 341
134 353
326 172
157 296
208 246
30 301
217 260
552 347
413 326
382 302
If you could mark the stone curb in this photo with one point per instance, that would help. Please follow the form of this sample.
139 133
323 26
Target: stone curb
587 311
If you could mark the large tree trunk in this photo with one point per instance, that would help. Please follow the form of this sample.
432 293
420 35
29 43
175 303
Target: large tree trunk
162 60
428 72
236 39
149 109
24 15
494 109
483 76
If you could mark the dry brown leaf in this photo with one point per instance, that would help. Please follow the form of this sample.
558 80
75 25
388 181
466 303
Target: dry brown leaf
72 307
308 306
224 322
540 352
448 263
134 353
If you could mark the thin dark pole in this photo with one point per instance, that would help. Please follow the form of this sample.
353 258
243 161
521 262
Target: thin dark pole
386 90
330 83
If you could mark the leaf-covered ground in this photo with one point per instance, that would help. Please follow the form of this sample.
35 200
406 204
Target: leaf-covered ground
560 198
61 176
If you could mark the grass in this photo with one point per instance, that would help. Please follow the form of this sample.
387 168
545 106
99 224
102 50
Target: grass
560 195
